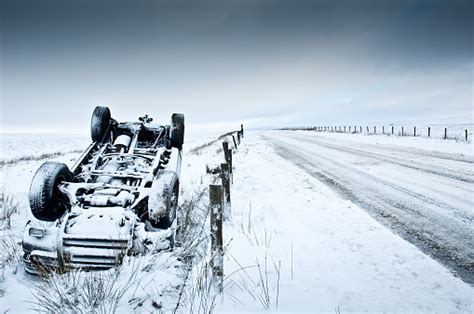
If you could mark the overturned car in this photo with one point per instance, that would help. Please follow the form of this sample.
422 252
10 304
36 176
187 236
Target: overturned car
124 186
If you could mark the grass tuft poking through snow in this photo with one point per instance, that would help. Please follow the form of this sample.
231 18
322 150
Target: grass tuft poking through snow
8 206
10 249
198 294
78 292
9 162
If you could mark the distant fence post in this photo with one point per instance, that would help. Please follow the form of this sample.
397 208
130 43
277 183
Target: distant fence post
344 129
242 130
217 243
349 129
445 133
403 131
465 132
383 129
375 130
429 131
355 129
360 129
368 130
392 129
238 137
414 131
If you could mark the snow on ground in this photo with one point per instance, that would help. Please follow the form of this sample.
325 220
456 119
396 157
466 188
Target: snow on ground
293 244
455 131
333 254
155 281
434 144
20 145
423 194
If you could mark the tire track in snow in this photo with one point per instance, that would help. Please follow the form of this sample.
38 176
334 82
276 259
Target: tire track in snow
398 161
395 149
440 230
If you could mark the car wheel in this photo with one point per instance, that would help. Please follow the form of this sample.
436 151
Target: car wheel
162 204
47 202
100 122
177 130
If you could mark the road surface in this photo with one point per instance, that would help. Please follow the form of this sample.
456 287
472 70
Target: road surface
424 196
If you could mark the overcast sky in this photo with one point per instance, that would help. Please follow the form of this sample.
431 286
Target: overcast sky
265 63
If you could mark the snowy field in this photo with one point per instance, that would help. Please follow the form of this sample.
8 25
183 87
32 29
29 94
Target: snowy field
319 222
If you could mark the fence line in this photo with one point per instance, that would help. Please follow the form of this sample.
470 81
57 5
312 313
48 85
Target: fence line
220 205
355 130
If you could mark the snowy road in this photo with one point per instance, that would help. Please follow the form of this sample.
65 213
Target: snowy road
423 195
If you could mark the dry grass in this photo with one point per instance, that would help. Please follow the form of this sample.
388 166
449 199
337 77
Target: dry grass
193 239
78 291
8 206
10 162
10 251
198 149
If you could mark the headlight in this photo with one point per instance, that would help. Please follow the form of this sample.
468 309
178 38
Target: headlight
36 232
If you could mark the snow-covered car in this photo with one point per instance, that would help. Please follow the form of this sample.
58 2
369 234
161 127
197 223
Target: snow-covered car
125 184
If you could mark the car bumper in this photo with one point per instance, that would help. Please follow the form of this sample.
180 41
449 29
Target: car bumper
96 239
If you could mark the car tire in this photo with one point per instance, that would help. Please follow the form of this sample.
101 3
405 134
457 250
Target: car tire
100 122
163 200
177 130
47 202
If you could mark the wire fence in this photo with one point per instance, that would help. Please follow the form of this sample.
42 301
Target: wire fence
455 132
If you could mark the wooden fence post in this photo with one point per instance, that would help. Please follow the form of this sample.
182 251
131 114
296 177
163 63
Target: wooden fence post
344 129
235 142
360 129
403 131
414 131
225 177
227 155
429 131
238 137
225 148
383 129
355 129
368 130
392 129
465 132
231 167
445 133
242 130
349 129
375 130
217 240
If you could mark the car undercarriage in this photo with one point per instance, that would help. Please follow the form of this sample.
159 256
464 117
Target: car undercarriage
123 187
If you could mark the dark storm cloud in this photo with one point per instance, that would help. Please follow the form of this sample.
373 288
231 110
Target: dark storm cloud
268 58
